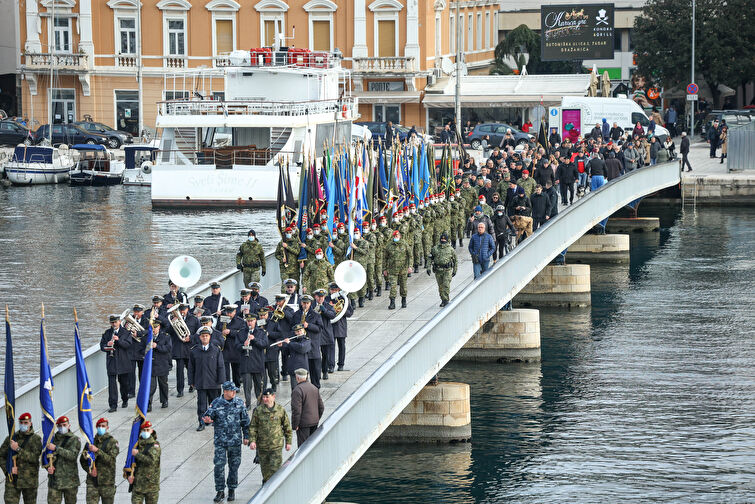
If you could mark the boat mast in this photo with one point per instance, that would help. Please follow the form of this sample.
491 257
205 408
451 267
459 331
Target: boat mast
51 47
139 65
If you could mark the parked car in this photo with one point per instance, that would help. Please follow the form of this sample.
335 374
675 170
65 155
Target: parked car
496 132
13 133
378 130
116 138
69 134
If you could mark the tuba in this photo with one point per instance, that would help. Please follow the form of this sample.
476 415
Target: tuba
178 324
350 277
131 325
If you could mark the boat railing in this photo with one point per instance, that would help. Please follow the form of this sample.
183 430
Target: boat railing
225 157
347 107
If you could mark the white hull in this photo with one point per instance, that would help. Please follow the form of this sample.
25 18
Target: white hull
204 185
136 177
35 173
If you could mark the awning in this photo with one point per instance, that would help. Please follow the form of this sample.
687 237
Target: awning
387 96
487 101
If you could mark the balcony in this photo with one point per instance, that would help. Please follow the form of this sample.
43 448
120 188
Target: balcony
58 61
392 66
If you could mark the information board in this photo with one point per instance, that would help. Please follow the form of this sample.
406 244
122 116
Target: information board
576 31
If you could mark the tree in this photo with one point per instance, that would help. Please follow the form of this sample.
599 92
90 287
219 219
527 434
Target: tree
724 42
522 46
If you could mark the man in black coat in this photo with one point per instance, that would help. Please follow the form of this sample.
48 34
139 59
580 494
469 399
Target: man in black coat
684 151
258 300
307 317
181 347
552 193
230 326
501 224
541 207
520 205
206 372
216 338
544 173
215 301
566 175
161 363
327 340
278 330
136 349
251 346
244 303
115 343
613 166
340 328
298 351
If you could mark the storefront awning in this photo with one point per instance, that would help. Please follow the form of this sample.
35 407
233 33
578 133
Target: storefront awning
387 96
482 101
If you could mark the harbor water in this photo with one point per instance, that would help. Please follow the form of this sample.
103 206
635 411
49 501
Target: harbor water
648 396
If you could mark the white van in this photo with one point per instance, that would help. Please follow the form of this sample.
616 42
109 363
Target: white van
578 115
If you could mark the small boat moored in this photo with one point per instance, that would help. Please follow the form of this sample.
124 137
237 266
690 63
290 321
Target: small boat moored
94 167
38 165
139 160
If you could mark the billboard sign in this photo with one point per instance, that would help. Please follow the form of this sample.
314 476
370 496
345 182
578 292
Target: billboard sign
576 31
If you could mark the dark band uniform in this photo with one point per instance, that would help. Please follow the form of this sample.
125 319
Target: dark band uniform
161 364
252 362
230 353
181 349
314 358
206 374
278 331
327 340
118 364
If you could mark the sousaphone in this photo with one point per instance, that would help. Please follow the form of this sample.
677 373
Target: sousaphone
350 277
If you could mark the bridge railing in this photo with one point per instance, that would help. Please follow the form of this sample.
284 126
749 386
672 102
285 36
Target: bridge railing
315 469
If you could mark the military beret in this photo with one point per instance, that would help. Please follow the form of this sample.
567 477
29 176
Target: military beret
318 251
62 420
214 285
396 233
138 307
365 224
268 391
25 416
146 425
254 285
250 316
155 299
341 225
205 330
319 292
229 385
288 230
113 317
306 298
309 230
101 421
316 225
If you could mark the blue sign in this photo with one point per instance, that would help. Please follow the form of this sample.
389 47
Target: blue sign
692 88
554 112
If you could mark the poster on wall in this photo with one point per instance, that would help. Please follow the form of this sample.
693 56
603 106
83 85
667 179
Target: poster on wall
576 31
571 124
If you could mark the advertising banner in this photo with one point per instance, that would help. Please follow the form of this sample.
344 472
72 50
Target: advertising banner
576 31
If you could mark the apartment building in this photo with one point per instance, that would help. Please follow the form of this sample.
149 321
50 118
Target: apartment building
81 58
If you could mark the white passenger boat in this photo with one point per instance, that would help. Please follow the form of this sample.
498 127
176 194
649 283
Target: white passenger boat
277 105
38 165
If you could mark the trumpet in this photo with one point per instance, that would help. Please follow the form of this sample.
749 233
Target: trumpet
278 314
178 324
131 325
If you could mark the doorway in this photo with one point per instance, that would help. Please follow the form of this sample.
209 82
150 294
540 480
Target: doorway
63 102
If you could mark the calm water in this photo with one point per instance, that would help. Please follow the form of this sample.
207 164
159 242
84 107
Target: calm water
100 250
649 396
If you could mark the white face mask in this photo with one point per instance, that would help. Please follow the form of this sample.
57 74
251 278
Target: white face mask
101 431
452 198
23 427
421 206
383 224
63 430
396 239
341 231
251 238
310 236
414 210
357 236
317 232
144 434
373 227
288 235
319 256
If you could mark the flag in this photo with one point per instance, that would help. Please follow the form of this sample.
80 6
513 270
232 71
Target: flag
542 136
10 394
330 181
415 176
45 395
302 217
142 401
84 393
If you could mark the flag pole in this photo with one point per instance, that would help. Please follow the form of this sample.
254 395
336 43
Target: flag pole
10 405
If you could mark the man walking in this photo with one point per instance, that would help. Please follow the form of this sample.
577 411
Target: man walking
684 151
713 136
101 479
251 346
481 246
231 421
268 431
444 263
27 446
398 263
115 343
206 372
306 407
63 479
250 258
146 475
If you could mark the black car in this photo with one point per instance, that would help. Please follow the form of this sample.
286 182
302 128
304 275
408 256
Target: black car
496 132
69 134
378 131
13 133
116 138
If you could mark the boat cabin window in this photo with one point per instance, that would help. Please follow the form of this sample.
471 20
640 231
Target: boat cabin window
258 137
325 134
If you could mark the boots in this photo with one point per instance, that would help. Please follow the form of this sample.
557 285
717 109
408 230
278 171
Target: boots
361 301
443 303
453 243
386 285
369 294
324 374
392 306
403 302
377 290
461 242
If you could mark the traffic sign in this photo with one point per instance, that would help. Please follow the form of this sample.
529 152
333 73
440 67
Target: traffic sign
692 97
692 89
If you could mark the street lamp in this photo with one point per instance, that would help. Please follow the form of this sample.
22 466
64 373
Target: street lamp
692 76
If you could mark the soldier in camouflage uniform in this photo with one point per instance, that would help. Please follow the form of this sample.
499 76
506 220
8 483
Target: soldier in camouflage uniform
416 227
369 268
146 476
428 215
316 239
379 251
27 446
101 481
268 431
486 209
440 217
287 253
317 273
470 198
340 244
444 265
250 258
361 248
457 220
387 232
398 261
228 415
63 479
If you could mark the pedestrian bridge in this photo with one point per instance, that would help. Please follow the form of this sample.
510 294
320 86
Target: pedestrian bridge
391 354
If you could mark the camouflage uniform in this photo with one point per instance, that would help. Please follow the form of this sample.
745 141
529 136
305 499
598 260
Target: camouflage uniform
528 184
288 259
457 221
469 196
362 256
444 265
387 233
371 260
103 486
440 225
27 461
146 471
64 482
428 215
252 257
379 251
398 258
416 241
340 246
318 273
270 429
487 209
231 423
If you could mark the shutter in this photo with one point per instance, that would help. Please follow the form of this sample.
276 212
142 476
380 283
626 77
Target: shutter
223 36
321 35
386 38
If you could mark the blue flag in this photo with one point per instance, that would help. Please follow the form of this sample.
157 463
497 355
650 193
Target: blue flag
45 396
10 394
330 187
142 401
84 392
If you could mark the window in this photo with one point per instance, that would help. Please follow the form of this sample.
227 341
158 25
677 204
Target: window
63 105
127 111
638 117
452 33
617 39
438 45
386 38
127 35
320 35
631 39
494 31
459 37
470 34
224 36
272 26
176 95
62 34
488 38
479 31
176 37
385 113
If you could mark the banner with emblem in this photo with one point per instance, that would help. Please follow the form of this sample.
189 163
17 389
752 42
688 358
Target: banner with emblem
45 395
142 401
84 392
10 395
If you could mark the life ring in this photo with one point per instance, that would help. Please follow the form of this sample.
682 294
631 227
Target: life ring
146 167
653 93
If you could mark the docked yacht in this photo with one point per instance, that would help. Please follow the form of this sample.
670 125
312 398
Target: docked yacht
95 167
278 106
38 164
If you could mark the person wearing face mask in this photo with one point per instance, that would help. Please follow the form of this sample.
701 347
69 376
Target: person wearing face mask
317 273
146 476
321 239
256 300
398 261
444 263
414 239
360 253
428 216
441 218
458 218
340 244
287 253
379 243
369 266
63 475
502 226
250 258
26 445
101 479
478 217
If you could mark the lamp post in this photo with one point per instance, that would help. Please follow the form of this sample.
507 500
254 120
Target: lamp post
457 97
692 73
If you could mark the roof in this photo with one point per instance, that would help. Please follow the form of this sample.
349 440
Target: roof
88 147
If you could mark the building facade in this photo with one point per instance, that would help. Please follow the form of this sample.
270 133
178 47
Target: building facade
79 58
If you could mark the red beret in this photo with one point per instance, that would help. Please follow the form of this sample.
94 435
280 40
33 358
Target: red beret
25 416
341 225
396 233
146 425
101 421
288 230
318 251
525 171
309 229
62 420
365 224
480 197
412 206
316 225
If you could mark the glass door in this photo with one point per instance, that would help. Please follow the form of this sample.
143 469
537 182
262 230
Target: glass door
63 103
